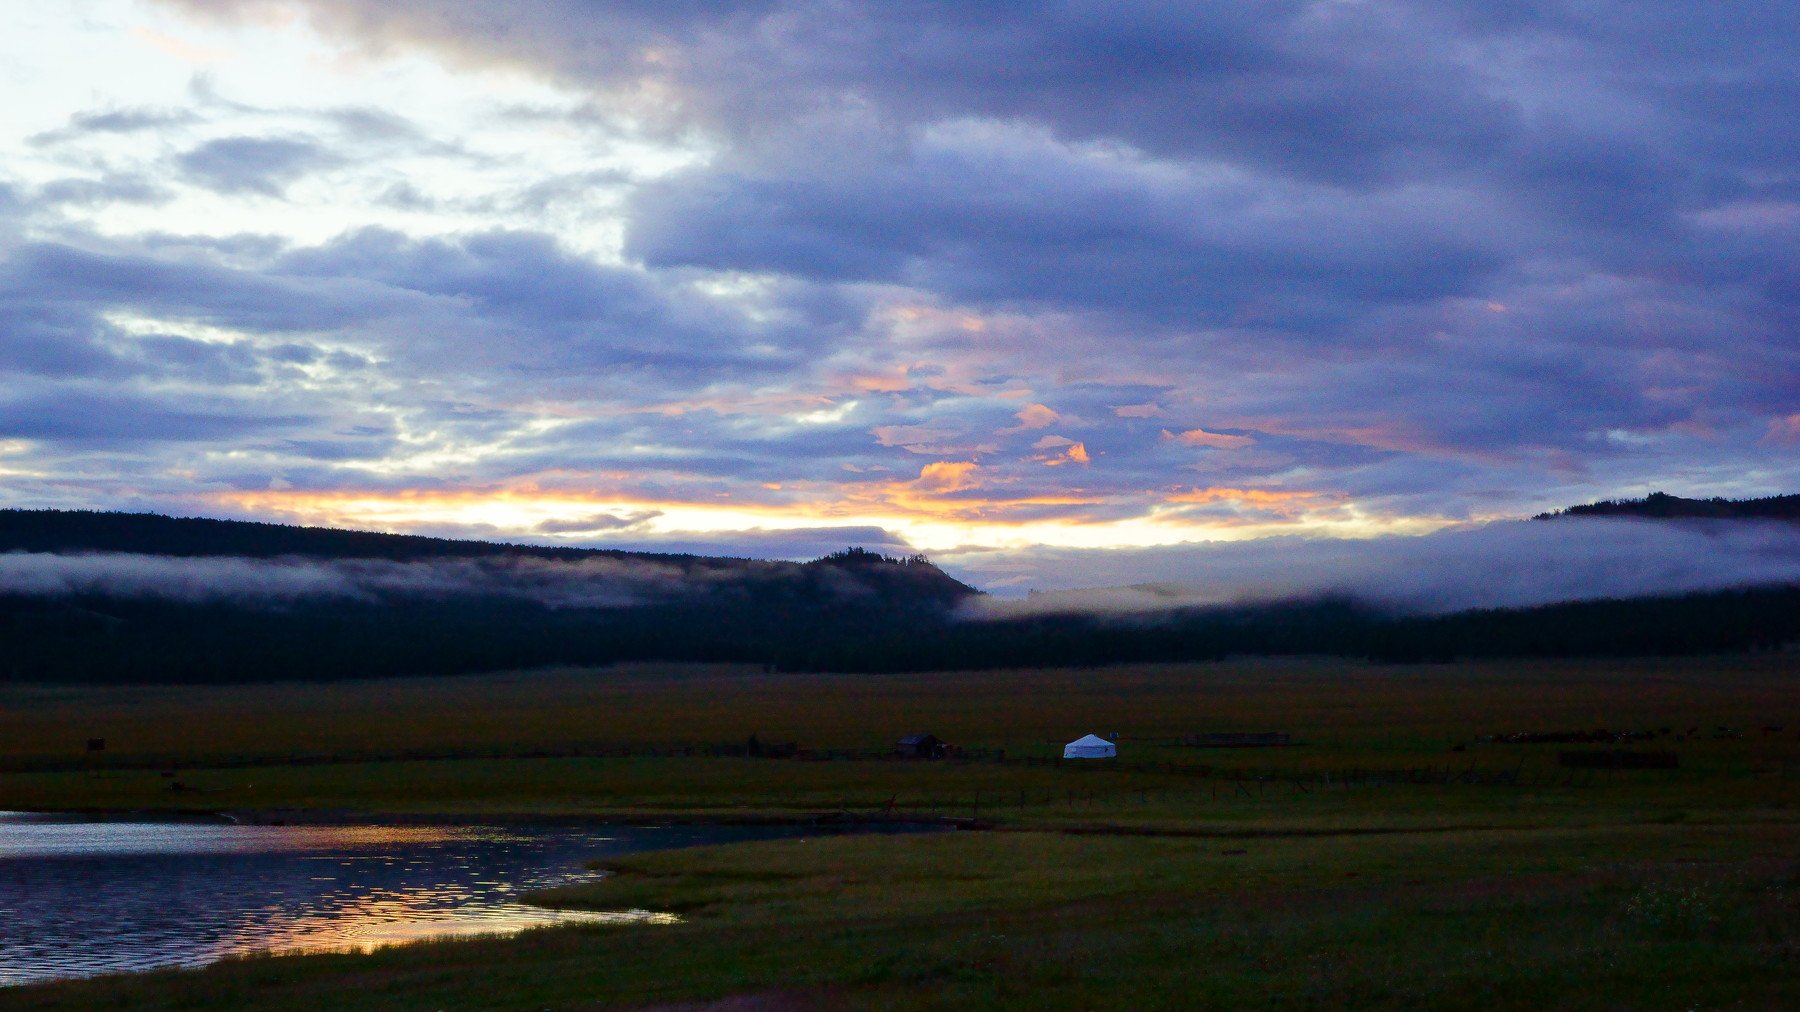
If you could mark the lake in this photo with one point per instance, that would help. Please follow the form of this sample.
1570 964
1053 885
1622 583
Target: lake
80 896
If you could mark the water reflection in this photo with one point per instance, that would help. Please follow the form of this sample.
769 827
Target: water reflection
82 897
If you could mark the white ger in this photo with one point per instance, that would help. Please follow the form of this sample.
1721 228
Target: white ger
1090 747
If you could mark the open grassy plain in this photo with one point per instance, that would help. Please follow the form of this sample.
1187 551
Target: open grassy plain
1375 865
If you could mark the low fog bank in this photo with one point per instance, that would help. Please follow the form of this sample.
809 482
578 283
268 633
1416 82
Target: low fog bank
1509 564
589 583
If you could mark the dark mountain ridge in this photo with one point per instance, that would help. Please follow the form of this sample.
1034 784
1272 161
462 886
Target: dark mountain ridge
198 537
1663 506
851 611
80 532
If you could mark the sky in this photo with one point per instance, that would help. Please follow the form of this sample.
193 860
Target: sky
1021 286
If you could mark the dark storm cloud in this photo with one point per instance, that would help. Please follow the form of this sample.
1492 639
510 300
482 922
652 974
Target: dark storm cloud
104 274
599 523
118 189
49 340
1353 93
1301 170
536 322
1326 90
370 447
116 121
552 309
993 214
513 300
207 363
84 417
264 165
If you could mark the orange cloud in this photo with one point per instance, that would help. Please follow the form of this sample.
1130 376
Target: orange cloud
945 476
1203 495
1216 440
1381 436
931 316
1257 496
1784 431
924 439
877 383
1150 410
946 492
1036 416
1071 451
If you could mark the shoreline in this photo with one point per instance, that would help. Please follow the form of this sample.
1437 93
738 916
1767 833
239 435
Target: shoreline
823 821
353 817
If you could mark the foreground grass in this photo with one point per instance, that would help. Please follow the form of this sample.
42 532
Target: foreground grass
1650 917
1654 889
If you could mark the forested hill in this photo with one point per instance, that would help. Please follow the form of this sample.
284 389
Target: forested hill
193 537
1662 506
206 601
910 580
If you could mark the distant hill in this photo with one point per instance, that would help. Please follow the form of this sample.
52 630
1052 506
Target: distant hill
1663 506
82 531
852 611
195 537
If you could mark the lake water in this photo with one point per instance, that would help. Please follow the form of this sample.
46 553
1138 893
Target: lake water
80 897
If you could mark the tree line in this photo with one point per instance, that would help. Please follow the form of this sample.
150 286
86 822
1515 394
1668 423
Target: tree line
148 640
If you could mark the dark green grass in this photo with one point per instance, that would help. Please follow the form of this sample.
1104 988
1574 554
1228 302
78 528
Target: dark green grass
1653 889
1662 917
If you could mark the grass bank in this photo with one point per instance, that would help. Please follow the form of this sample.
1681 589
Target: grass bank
1646 917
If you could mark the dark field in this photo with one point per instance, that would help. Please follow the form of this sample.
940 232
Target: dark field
1391 858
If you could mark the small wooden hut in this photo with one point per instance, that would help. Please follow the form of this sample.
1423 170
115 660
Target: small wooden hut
922 746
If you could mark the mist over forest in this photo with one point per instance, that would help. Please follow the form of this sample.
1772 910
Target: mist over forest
139 598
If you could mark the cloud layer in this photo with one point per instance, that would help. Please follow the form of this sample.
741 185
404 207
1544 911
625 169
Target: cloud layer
779 272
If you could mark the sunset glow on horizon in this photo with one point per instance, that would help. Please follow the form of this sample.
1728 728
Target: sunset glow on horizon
953 524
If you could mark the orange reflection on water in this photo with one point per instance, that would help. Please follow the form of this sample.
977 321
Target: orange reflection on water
376 922
82 897
361 915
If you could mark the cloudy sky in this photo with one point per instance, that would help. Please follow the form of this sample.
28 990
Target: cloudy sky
983 280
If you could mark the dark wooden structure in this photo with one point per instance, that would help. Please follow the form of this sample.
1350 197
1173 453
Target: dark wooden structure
922 746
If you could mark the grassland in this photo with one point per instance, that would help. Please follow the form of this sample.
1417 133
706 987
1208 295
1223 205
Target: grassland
1645 889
